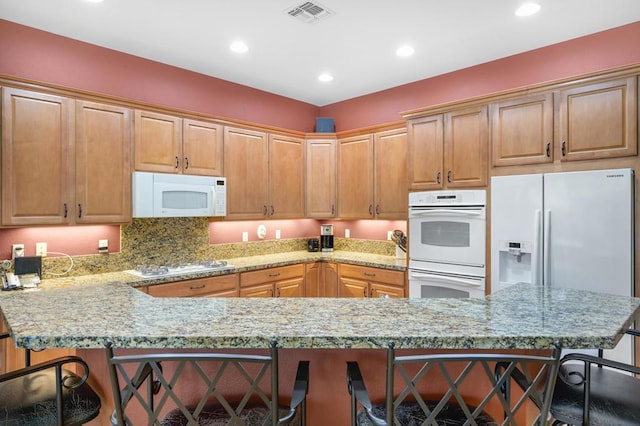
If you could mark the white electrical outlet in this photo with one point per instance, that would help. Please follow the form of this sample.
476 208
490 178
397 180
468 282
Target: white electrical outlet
41 249
347 233
389 235
245 236
17 250
277 234
103 246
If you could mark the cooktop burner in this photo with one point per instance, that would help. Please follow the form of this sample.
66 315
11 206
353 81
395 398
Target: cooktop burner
152 271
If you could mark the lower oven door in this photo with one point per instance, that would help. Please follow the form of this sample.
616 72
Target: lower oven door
428 284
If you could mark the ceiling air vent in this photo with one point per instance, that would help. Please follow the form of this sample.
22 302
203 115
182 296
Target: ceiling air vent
309 12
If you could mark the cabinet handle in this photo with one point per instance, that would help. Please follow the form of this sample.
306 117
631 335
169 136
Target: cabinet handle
370 209
66 210
333 209
186 162
264 210
272 210
548 149
364 292
79 210
377 208
278 293
449 176
438 177
177 162
564 148
271 290
196 287
370 274
277 274
371 293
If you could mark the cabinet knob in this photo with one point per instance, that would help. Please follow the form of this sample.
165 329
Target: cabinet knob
548 149
449 176
370 209
177 162
377 208
264 210
272 210
186 162
364 292
438 177
66 210
333 209
79 210
564 148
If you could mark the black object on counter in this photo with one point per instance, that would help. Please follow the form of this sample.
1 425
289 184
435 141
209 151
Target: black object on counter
28 265
313 244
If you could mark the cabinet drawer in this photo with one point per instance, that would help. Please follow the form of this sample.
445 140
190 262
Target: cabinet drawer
372 274
197 287
271 275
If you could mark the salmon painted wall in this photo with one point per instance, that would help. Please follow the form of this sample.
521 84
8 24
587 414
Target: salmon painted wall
600 51
49 58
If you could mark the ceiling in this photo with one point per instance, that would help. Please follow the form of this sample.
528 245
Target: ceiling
356 42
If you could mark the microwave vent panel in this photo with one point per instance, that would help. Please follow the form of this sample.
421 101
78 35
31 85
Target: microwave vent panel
309 12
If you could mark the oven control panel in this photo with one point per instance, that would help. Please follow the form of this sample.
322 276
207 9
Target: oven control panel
466 197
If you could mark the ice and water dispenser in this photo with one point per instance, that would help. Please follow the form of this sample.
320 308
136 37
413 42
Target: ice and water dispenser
514 263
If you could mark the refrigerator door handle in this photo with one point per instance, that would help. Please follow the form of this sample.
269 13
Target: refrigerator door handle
536 269
547 245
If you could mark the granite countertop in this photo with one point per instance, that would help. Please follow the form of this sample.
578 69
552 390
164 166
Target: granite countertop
522 316
242 264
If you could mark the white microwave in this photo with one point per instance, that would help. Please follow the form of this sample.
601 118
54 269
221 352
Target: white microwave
169 195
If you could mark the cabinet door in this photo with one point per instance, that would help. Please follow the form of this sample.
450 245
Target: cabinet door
350 287
321 178
329 280
286 177
522 131
290 288
246 159
355 177
382 290
202 148
36 153
465 138
263 290
158 142
390 174
103 163
425 137
599 120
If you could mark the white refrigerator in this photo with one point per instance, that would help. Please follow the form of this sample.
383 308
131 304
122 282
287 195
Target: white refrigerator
571 229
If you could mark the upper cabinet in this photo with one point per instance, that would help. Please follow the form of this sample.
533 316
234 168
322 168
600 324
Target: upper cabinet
286 177
598 120
321 178
448 150
169 144
372 176
522 130
64 161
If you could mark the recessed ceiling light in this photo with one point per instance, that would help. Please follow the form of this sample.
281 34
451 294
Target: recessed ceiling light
404 51
528 9
94 1
325 77
239 47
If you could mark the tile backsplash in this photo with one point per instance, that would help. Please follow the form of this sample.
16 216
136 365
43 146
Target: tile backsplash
172 240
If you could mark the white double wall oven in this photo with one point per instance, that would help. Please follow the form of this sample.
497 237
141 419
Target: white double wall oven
447 234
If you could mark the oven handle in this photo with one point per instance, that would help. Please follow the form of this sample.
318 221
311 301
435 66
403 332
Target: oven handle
472 282
417 213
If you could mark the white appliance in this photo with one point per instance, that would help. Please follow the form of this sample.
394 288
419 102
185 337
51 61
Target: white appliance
169 195
447 243
571 230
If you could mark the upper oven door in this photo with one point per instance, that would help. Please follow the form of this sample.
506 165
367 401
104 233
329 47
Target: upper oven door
448 235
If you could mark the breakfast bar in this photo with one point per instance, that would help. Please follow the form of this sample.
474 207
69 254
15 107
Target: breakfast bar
327 331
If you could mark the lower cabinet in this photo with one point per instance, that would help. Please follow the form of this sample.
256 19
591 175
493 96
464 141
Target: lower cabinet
220 286
283 281
364 281
321 279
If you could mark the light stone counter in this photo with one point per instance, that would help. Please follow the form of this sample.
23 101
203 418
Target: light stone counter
522 316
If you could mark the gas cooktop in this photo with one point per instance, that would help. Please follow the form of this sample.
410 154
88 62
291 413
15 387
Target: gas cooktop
153 271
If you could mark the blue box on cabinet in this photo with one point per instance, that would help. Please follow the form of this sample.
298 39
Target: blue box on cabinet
325 125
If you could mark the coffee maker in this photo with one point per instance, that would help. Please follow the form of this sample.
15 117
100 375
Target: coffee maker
326 237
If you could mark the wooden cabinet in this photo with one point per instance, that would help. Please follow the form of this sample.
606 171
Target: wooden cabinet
265 175
364 281
283 281
522 130
598 120
286 177
449 150
246 165
103 163
170 144
321 279
64 161
218 286
372 176
321 174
